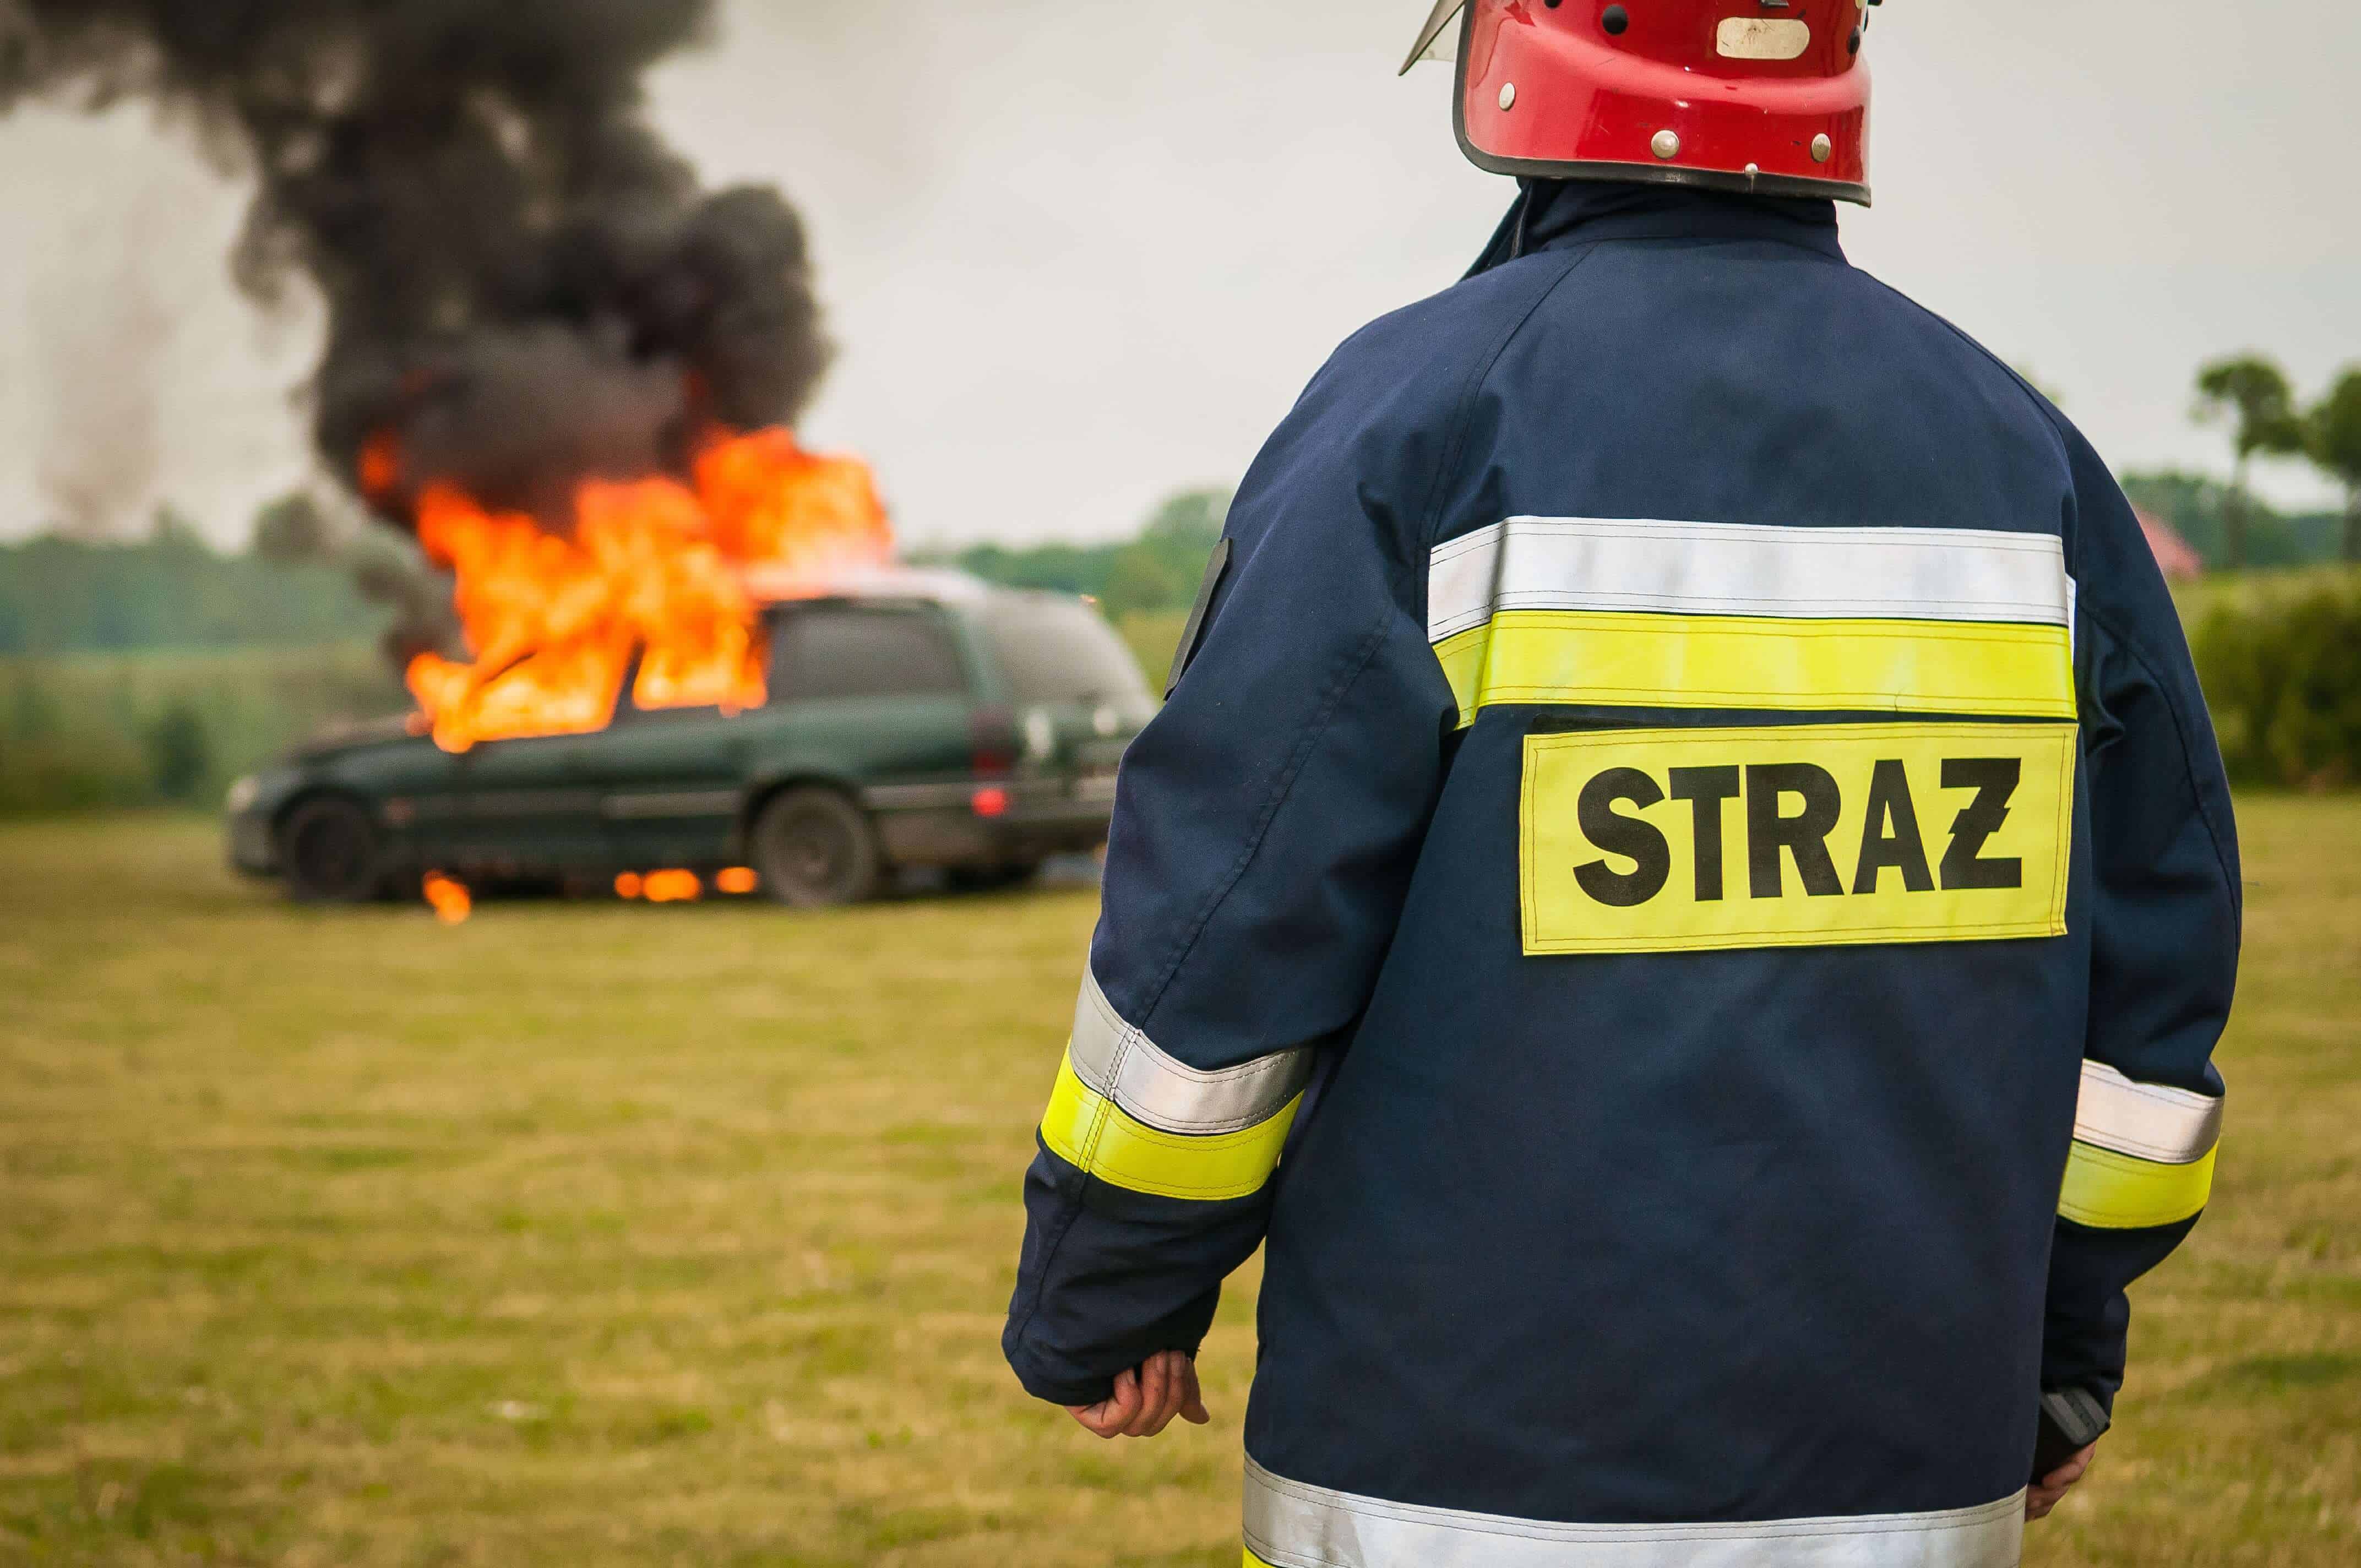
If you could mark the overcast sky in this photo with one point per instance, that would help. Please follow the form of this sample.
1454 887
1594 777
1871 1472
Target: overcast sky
1078 255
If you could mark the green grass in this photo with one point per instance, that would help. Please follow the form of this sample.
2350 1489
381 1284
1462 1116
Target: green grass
617 1234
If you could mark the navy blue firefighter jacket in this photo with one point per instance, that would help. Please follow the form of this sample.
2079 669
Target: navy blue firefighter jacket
1686 895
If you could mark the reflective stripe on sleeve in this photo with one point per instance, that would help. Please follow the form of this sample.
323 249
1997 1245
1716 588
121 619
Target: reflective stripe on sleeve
1091 1133
2112 1191
2143 1152
1124 1065
1638 613
1290 1525
2148 1121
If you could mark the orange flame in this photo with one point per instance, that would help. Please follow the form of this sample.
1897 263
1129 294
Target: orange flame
674 887
453 902
677 572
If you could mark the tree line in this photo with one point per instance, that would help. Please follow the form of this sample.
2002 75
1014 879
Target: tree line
1156 569
298 583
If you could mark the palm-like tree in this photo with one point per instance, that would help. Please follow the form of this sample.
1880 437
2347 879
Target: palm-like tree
2333 437
2253 392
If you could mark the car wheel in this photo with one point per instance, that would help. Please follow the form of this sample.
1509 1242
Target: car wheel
993 879
329 849
814 849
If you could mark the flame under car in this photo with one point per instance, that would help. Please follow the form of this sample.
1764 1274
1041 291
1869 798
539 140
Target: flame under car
910 719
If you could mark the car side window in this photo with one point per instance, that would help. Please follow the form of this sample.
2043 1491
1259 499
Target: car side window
832 650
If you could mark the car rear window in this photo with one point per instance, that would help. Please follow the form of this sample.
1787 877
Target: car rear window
845 652
1059 650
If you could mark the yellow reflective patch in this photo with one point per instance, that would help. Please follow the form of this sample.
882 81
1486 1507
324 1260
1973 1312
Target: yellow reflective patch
2112 1191
1663 840
1089 1132
1762 662
1254 1561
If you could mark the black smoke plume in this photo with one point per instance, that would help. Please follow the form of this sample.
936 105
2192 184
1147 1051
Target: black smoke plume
524 284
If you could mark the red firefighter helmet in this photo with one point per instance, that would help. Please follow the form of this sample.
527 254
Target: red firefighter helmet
1769 96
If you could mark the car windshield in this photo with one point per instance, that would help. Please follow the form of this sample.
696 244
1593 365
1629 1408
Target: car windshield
1059 650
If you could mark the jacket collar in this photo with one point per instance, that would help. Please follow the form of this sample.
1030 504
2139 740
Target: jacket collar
1554 215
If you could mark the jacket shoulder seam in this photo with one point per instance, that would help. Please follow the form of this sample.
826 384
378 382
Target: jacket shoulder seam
1464 411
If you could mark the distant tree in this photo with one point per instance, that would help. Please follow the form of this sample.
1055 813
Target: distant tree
180 754
1158 569
1193 518
2253 393
172 531
2333 437
292 531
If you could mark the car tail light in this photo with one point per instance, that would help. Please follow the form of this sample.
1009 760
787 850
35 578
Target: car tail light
992 744
990 801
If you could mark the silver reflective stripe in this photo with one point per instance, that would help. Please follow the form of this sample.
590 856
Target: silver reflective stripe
1716 568
1125 1066
2148 1121
1289 1525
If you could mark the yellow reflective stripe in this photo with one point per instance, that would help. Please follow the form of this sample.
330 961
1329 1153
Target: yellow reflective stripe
1089 1132
2114 1191
1254 1561
1765 661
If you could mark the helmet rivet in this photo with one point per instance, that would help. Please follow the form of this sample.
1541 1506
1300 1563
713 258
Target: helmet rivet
1665 144
1508 96
1821 147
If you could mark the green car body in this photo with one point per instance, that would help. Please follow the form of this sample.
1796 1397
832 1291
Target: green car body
916 720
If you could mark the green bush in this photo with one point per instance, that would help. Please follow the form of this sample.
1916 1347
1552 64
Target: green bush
2283 679
179 755
83 730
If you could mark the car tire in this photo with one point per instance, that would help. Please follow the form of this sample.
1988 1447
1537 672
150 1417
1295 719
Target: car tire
329 849
816 850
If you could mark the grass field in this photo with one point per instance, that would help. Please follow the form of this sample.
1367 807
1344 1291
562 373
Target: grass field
617 1234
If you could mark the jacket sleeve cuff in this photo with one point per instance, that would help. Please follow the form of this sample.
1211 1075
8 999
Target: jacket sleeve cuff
1062 1391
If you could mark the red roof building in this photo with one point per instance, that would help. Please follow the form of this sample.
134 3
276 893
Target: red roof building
2181 563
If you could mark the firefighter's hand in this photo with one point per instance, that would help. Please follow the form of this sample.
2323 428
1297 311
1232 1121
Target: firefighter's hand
1143 1402
2045 1494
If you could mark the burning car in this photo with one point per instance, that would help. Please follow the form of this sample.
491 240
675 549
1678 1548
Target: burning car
893 719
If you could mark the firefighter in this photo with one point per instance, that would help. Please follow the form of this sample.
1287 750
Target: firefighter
1684 892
